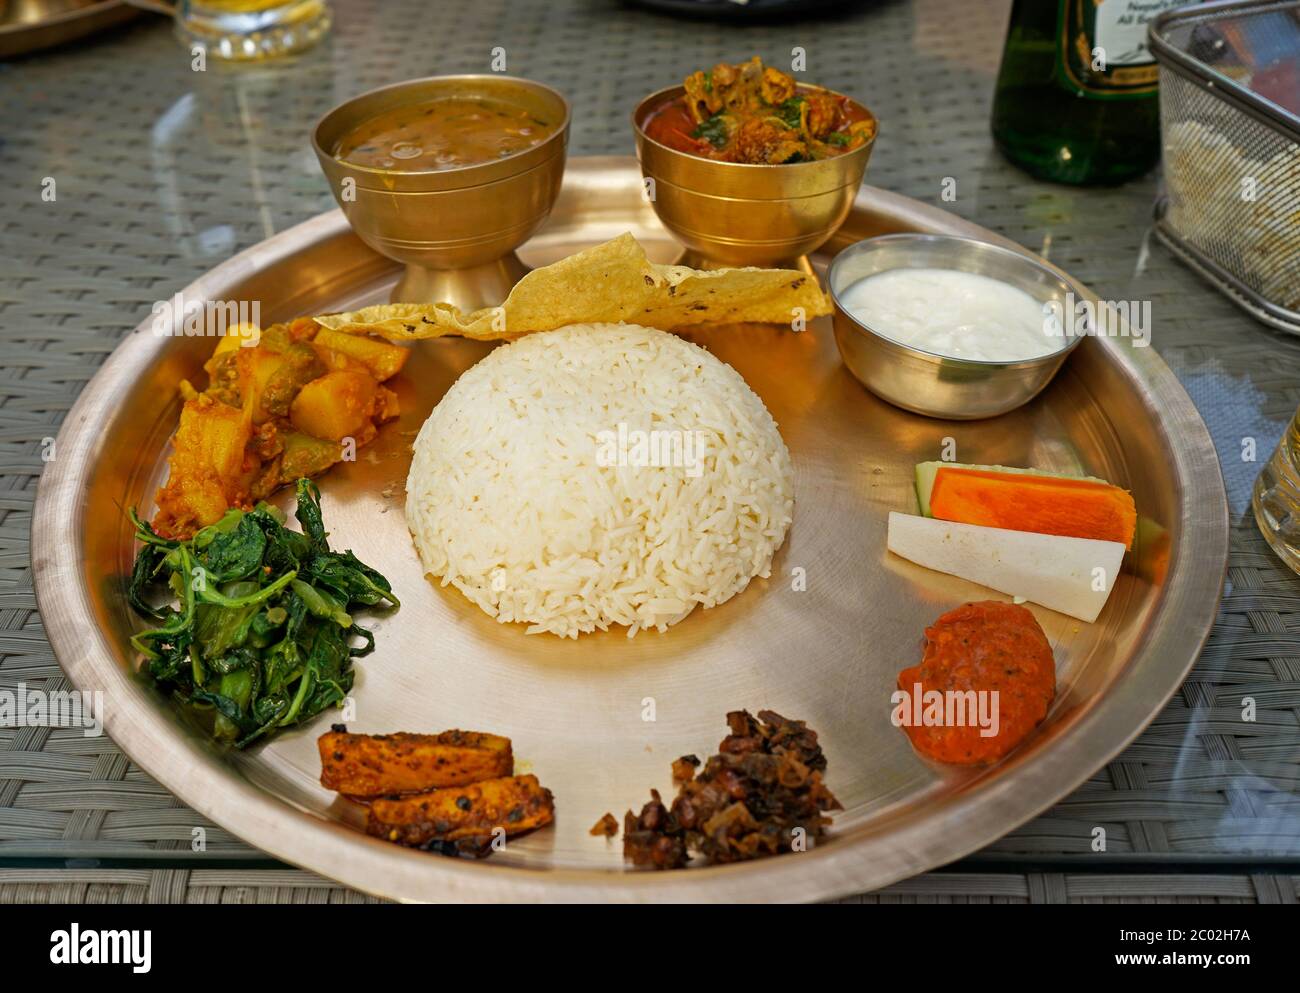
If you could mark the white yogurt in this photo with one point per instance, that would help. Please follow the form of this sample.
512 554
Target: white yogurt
958 314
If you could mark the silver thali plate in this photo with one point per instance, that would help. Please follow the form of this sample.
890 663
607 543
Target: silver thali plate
828 654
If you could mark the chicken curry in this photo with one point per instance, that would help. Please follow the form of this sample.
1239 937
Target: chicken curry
754 114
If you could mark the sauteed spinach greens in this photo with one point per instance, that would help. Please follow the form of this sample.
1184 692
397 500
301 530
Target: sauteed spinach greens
260 636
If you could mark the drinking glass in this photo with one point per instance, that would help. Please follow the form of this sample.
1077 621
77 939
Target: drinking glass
1277 497
245 30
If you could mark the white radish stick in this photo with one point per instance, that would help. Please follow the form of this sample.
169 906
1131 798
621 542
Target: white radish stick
1072 575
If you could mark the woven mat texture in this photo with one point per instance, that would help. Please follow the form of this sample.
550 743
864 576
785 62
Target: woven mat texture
162 172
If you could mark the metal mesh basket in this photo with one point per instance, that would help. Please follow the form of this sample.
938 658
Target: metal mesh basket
1231 153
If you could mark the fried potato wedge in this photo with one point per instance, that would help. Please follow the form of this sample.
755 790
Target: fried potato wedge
382 359
514 804
369 765
606 284
209 470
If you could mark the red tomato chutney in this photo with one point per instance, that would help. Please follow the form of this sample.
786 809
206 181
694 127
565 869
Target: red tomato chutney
991 648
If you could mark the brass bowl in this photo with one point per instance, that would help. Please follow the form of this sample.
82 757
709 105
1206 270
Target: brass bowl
456 230
735 214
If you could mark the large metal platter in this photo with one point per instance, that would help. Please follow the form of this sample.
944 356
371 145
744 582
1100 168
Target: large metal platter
829 654
31 25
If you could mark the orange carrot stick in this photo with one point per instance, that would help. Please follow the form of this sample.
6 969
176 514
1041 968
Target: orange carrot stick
1076 508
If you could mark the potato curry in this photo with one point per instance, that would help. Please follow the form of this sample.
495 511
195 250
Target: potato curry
754 114
284 402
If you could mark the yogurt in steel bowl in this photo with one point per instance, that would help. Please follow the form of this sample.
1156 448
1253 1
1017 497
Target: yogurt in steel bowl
949 327
950 312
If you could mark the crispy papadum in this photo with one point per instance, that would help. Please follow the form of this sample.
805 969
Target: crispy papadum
606 284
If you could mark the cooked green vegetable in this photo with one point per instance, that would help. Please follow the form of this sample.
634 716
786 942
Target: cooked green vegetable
790 112
715 130
260 635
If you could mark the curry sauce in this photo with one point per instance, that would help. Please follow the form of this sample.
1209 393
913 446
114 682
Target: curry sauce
446 133
757 115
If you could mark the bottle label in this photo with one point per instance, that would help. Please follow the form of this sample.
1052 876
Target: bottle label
1101 47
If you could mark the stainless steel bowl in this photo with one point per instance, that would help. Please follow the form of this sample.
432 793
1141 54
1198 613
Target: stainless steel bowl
926 382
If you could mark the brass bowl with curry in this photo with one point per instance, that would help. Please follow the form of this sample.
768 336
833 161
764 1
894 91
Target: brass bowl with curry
449 175
749 167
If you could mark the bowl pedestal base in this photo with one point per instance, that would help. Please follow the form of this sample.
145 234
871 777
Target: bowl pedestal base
469 289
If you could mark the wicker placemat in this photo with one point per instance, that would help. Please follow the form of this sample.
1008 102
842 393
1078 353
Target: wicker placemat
161 172
144 885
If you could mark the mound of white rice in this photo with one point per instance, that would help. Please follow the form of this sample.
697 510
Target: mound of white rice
599 474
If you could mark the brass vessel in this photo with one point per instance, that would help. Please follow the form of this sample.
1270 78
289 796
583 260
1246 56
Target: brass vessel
33 25
456 230
736 214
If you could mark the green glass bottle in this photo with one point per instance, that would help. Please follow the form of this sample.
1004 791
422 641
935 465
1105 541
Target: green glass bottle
1076 94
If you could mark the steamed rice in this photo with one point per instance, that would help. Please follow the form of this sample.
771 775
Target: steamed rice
530 493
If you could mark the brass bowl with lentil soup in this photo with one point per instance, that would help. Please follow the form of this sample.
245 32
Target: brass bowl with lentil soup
444 133
448 175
